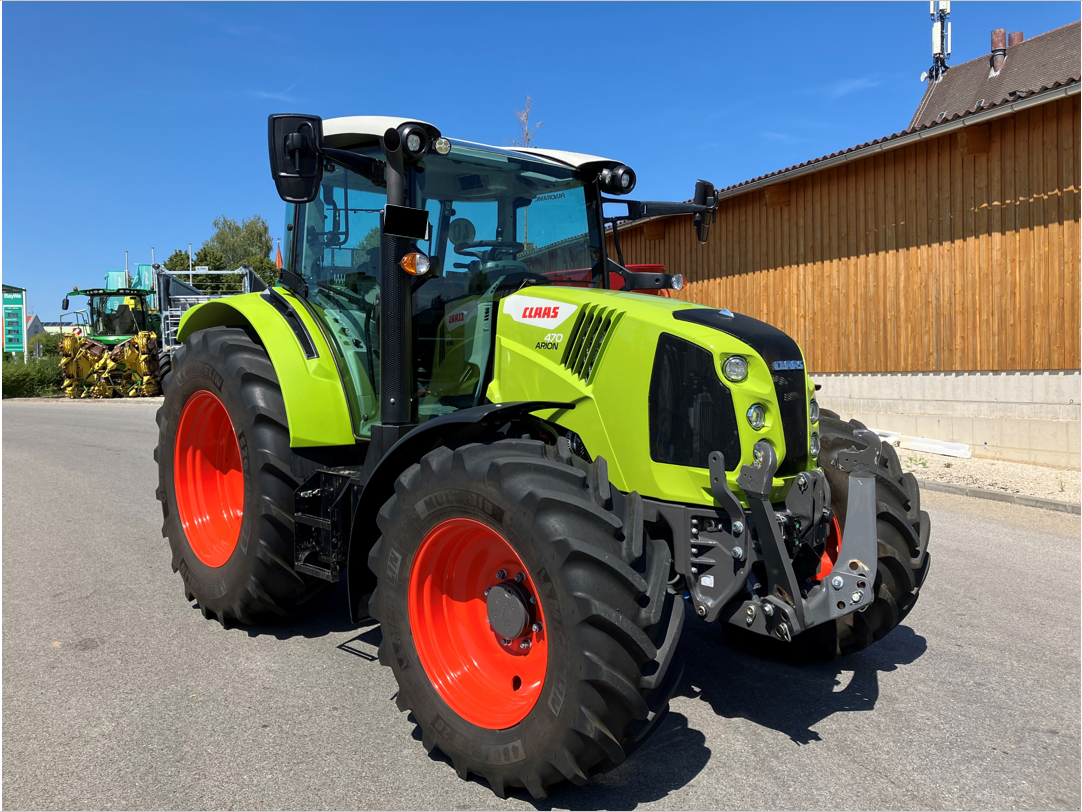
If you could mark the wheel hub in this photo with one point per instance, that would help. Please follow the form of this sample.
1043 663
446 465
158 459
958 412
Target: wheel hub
508 611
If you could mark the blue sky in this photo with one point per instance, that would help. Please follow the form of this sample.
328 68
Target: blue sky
133 125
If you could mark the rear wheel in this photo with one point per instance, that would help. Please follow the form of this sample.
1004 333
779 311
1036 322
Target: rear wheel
902 529
225 483
525 613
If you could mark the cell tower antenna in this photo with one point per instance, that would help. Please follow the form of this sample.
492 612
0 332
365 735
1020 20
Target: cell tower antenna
941 39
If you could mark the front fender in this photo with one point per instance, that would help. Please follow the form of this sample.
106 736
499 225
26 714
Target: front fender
315 399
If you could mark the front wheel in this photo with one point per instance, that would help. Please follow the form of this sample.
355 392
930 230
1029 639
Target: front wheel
225 483
902 529
525 614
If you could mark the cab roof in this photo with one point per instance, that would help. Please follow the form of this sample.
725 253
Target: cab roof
355 130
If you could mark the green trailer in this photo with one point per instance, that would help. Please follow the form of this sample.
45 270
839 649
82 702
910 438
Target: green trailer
526 469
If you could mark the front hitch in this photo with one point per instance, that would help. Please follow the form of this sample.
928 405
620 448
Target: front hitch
784 611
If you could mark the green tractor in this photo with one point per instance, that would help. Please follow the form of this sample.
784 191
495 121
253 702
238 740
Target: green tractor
111 349
526 470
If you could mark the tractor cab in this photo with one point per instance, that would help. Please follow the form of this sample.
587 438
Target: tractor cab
113 316
491 222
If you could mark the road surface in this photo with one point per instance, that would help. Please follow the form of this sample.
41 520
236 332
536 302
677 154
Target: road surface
117 694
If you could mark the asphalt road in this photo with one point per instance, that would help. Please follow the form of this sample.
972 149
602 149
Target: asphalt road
118 694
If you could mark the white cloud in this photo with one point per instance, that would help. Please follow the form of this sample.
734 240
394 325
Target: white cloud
843 87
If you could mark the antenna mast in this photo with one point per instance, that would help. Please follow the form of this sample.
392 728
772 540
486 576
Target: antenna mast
941 39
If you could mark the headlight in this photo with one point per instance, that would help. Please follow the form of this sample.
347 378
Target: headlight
736 368
677 282
757 416
813 412
814 443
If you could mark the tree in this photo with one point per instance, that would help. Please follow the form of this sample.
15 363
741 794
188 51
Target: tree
527 135
236 242
369 241
264 268
178 261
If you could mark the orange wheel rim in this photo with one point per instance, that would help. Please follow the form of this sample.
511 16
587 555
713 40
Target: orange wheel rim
208 478
487 673
831 549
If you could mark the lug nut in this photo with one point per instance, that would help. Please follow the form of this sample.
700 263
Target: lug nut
505 641
738 527
487 590
533 599
525 644
536 628
520 577
694 531
694 570
701 611
837 582
738 553
857 596
768 609
501 574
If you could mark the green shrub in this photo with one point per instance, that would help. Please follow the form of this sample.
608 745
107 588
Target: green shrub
37 378
50 343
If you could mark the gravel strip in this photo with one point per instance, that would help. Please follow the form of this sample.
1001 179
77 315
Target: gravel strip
1061 484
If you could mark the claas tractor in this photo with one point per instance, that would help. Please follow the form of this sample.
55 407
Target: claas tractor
112 348
527 470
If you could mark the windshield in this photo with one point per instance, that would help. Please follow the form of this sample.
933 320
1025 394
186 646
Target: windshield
499 222
117 315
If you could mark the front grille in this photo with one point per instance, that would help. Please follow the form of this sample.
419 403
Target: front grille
789 387
586 343
691 411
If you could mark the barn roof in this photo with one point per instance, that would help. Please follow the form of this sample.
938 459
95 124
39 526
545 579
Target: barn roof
1029 66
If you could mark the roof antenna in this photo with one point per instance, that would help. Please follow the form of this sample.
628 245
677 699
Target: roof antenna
941 40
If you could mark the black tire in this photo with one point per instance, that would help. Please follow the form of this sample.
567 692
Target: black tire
902 528
612 664
257 584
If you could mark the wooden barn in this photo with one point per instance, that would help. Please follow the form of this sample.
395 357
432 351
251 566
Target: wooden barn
931 276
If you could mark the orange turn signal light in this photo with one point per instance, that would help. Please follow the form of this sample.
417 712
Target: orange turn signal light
415 263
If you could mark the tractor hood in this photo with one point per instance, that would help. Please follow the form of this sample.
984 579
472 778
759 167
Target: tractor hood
646 375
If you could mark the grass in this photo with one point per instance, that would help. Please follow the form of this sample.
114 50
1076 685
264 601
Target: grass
37 378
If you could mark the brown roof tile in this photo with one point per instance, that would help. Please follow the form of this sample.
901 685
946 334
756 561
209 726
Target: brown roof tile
1042 61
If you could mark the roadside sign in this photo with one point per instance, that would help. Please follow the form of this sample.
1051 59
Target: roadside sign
14 321
201 268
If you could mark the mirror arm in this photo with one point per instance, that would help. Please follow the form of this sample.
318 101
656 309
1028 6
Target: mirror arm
637 209
636 280
368 168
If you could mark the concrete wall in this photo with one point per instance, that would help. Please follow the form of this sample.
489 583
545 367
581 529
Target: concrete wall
1021 416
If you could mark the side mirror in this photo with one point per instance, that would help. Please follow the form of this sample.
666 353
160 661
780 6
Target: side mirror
63 304
295 144
704 196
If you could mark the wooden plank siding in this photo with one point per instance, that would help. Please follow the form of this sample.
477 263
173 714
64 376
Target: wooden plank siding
920 258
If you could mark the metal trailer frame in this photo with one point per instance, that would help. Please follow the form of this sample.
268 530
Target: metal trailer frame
175 297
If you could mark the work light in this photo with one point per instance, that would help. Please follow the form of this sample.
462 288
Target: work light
813 411
814 444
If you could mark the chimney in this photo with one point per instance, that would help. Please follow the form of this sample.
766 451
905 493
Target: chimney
1015 38
999 48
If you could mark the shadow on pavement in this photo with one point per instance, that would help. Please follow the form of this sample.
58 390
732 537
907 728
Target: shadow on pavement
775 693
765 687
330 616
